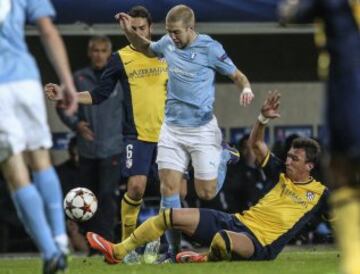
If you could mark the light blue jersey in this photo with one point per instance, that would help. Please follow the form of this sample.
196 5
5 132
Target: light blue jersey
191 89
16 62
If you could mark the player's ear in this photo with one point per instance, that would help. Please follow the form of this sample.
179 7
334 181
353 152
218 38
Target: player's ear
309 166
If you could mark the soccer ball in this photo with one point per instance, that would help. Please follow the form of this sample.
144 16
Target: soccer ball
80 204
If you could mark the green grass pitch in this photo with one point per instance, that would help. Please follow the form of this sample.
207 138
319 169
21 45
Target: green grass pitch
289 262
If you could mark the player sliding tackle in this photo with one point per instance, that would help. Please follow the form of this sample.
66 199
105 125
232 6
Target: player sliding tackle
259 233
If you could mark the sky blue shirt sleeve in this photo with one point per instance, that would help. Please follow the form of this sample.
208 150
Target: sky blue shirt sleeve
39 8
159 46
219 60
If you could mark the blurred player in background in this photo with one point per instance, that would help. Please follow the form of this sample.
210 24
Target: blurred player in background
24 129
338 36
260 233
190 131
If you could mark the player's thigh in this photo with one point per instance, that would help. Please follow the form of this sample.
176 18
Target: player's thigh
32 113
171 151
210 222
186 219
205 151
12 133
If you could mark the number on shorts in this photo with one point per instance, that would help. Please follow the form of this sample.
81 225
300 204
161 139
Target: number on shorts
129 151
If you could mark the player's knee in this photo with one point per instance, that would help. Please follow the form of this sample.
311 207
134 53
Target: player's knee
206 193
220 247
167 189
136 188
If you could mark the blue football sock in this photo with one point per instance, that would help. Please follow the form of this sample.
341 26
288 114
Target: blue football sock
173 237
31 210
48 185
225 157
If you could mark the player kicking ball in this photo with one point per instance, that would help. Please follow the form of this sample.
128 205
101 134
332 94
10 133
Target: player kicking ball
260 233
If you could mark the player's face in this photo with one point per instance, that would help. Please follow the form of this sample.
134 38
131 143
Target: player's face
297 168
141 26
179 33
99 53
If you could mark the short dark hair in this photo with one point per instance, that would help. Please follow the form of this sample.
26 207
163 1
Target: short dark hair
140 11
311 147
99 39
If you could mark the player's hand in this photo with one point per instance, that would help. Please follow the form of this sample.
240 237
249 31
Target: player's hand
270 108
246 96
85 131
124 20
70 100
53 92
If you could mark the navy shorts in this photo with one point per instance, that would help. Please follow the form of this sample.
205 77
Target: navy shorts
139 157
212 221
343 114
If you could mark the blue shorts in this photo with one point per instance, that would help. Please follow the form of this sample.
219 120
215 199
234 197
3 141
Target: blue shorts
212 221
139 157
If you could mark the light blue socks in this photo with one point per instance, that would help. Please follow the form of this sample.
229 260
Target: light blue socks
30 209
173 237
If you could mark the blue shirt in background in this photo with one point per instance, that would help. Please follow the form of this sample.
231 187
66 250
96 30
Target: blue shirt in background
16 62
191 89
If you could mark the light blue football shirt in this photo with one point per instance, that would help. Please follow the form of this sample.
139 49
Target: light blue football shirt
191 88
16 62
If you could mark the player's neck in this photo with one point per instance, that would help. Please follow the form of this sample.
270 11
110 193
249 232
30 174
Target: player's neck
193 37
304 180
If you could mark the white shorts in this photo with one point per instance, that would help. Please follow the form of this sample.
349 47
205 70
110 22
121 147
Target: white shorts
177 145
23 122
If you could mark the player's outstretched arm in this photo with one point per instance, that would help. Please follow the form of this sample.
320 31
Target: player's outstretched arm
241 81
55 92
141 43
56 53
269 110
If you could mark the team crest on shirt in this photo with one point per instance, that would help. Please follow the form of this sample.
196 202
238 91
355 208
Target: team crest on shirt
192 55
161 59
129 163
310 195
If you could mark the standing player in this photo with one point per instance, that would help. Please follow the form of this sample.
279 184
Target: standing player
190 130
143 80
259 233
24 129
340 60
